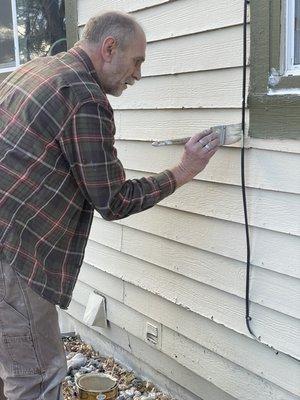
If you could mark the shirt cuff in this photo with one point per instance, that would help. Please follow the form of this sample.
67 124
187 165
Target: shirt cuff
166 183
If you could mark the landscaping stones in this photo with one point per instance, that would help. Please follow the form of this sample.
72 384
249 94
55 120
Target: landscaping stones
77 361
82 359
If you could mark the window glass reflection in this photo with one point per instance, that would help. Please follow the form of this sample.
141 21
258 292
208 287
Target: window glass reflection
7 48
41 26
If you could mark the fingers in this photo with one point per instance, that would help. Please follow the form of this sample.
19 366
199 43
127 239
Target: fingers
198 151
196 138
212 145
212 152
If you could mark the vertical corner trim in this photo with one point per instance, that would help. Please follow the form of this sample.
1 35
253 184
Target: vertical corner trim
71 22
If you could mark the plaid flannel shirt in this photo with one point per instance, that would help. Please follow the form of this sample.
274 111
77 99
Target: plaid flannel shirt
58 163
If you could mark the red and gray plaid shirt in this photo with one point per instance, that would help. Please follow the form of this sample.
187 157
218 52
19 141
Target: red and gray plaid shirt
58 163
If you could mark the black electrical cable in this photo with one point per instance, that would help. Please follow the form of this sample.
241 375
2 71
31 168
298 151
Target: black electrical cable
247 316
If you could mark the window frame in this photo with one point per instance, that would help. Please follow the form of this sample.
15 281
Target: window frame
16 39
274 96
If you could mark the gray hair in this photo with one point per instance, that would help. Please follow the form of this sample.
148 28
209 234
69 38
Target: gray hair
119 25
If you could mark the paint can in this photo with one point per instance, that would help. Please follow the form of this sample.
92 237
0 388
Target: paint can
92 385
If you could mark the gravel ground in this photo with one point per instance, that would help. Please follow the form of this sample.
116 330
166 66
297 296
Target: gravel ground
83 359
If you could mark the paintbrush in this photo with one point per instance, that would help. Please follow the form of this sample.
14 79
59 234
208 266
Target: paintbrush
228 134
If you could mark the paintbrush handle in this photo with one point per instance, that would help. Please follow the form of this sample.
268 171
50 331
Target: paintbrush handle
169 142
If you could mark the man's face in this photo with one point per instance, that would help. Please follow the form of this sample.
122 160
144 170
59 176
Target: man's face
125 66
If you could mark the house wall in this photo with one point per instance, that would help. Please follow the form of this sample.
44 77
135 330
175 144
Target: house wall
181 265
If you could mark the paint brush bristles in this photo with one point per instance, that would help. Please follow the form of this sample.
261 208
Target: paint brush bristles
228 134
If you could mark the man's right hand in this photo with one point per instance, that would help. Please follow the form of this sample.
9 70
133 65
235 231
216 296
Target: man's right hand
197 153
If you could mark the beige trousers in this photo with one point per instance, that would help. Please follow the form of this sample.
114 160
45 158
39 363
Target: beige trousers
32 357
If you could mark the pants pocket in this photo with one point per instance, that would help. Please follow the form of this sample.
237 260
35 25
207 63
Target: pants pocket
20 359
17 352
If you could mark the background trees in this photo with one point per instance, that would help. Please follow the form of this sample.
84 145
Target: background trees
41 23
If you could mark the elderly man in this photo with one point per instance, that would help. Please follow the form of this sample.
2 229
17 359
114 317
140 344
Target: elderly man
58 163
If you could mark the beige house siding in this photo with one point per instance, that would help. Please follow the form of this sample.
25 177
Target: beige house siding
181 265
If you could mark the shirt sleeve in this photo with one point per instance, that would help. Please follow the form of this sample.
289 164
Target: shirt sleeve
87 143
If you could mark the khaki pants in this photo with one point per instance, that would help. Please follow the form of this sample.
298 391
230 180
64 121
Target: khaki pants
32 358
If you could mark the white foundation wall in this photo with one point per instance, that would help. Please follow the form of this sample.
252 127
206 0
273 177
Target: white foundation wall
181 265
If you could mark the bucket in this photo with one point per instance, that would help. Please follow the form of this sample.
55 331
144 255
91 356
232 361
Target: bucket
91 385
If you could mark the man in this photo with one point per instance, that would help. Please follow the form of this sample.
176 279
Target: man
58 163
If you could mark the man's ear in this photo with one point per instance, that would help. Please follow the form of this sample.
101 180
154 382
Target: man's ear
108 48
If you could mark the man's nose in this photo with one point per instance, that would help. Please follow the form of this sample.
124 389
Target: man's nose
137 74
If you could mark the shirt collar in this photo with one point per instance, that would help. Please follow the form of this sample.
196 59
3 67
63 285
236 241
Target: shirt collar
85 59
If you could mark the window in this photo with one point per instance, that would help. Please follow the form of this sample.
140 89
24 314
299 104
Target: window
275 69
30 28
9 49
292 34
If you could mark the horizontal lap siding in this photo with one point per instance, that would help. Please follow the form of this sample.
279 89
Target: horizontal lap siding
196 330
221 237
174 18
266 208
88 8
264 169
182 264
209 89
270 289
173 56
162 124
275 329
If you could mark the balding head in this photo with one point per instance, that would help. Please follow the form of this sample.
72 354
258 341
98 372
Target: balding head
116 45
116 24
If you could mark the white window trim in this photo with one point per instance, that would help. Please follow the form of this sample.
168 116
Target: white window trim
16 39
290 68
